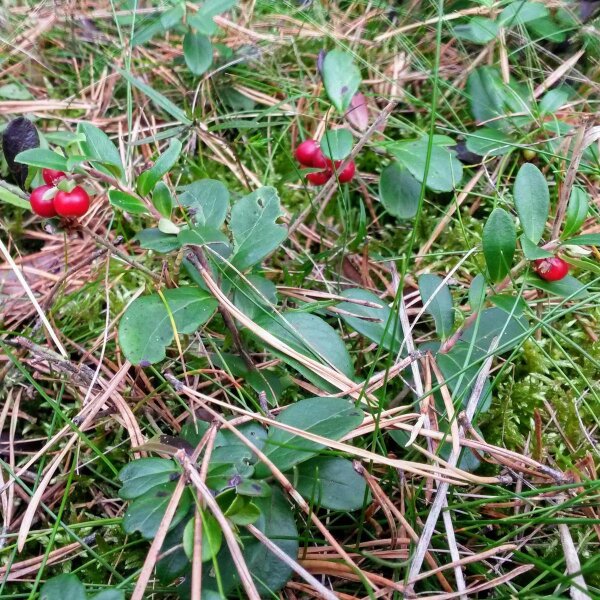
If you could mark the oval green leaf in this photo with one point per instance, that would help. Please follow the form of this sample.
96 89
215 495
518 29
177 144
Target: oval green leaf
436 295
341 78
399 191
532 200
198 52
499 243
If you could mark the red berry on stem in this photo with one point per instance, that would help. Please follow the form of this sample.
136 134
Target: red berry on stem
551 269
52 177
306 151
319 178
347 173
39 205
72 204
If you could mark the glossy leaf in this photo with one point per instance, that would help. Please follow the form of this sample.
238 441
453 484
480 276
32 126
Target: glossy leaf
477 292
198 52
587 239
143 474
9 197
311 336
487 141
577 211
99 147
486 94
331 418
499 243
146 330
337 144
207 201
438 298
445 170
532 200
212 537
341 78
127 202
146 512
148 179
533 251
379 325
43 158
255 231
331 482
567 287
154 239
216 240
553 100
161 199
399 191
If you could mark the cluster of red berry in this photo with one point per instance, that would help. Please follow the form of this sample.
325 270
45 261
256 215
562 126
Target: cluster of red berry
49 201
309 154
551 269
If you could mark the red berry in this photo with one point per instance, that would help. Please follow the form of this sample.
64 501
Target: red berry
319 178
306 151
320 161
347 173
551 269
39 205
52 177
72 204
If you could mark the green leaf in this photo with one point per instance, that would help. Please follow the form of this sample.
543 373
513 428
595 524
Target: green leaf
486 93
198 52
255 232
532 200
62 587
143 474
148 179
212 537
154 239
244 512
9 197
172 17
553 100
208 201
477 292
98 147
567 287
331 482
519 12
127 202
533 251
167 226
370 321
152 26
161 198
499 243
13 91
212 8
255 296
314 338
109 595
156 97
445 170
546 28
206 236
437 294
337 144
341 78
146 512
202 25
587 239
331 418
278 524
173 562
399 191
479 30
146 330
43 158
487 141
577 211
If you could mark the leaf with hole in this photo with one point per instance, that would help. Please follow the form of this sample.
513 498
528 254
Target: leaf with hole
337 144
253 225
436 295
149 178
399 191
143 474
341 78
532 200
331 482
445 170
499 243
377 323
207 201
313 337
145 513
146 328
331 418
198 52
